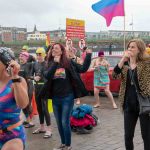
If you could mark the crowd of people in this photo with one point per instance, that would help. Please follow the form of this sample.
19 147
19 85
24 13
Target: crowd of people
55 74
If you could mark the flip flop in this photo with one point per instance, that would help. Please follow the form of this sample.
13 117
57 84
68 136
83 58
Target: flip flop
38 131
25 123
47 135
29 125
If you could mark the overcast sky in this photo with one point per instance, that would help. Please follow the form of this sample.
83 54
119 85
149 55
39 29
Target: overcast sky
52 14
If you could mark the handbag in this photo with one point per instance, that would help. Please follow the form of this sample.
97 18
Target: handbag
144 101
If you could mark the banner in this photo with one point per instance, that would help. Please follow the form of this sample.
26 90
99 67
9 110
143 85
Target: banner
75 28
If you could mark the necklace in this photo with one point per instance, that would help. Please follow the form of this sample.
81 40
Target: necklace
132 73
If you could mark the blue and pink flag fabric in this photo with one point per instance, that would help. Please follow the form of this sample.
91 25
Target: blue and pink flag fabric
109 9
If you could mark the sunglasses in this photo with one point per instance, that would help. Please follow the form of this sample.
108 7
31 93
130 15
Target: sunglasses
38 54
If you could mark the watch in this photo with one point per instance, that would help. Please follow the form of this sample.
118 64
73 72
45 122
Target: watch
16 80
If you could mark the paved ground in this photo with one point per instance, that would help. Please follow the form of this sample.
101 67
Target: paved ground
108 135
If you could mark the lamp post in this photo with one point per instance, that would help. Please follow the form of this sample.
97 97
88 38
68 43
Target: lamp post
131 24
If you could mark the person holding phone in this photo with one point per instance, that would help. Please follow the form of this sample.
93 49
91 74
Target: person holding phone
13 97
134 66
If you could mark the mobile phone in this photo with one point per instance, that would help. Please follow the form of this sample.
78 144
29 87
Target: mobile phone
9 71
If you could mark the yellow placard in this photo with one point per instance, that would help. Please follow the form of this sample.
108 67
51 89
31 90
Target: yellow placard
50 106
75 22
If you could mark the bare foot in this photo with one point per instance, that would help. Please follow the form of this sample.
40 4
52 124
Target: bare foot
78 102
96 105
115 106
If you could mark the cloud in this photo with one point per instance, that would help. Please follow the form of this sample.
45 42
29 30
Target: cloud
52 14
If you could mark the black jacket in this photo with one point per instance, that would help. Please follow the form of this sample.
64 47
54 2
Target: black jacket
38 70
74 70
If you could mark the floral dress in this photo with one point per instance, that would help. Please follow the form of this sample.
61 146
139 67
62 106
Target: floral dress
101 77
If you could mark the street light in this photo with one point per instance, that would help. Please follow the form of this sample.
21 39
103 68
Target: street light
131 24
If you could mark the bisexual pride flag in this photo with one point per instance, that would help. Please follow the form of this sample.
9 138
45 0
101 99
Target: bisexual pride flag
109 9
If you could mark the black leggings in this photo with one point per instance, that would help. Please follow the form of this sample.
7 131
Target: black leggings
28 110
130 120
42 107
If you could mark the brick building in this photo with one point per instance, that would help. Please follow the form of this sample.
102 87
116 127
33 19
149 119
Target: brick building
10 34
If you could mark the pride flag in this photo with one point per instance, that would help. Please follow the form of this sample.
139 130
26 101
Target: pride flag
48 39
109 9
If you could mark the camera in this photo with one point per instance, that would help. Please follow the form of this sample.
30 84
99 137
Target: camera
6 55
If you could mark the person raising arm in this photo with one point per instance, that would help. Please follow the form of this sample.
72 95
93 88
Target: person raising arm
13 97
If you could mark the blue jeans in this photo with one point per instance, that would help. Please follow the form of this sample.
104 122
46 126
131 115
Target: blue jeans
62 107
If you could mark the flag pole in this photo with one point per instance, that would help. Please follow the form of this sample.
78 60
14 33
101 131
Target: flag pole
124 30
124 24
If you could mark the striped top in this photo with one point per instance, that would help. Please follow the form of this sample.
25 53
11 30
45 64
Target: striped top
9 111
9 115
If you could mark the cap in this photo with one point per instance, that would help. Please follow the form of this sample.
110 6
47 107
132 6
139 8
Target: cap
25 55
101 53
25 47
41 50
6 55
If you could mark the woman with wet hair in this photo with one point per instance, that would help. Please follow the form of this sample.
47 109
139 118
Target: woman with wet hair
13 98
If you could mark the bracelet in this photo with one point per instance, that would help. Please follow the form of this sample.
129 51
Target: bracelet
16 80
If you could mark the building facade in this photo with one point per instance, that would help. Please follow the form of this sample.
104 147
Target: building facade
41 35
10 34
36 36
117 34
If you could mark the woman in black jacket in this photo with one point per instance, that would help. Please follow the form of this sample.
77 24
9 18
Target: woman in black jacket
63 86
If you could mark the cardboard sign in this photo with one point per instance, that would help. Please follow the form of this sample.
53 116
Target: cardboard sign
75 28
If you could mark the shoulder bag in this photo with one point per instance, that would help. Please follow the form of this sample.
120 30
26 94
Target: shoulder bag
144 101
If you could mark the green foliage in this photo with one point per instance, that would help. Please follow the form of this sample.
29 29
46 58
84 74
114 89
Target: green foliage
17 45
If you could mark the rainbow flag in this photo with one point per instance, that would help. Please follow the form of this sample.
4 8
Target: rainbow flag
109 9
48 39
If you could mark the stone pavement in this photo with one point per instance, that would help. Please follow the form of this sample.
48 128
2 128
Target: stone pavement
108 135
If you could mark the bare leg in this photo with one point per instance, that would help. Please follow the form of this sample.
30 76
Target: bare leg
110 96
96 95
78 101
14 144
42 127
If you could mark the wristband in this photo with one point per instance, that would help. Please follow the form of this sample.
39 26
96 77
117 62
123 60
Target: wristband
16 80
